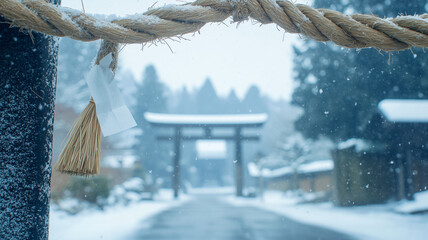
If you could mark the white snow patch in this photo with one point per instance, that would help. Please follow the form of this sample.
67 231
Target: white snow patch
410 17
312 167
119 161
418 205
144 19
212 190
316 166
254 171
404 110
133 183
211 149
360 144
183 8
70 11
116 222
238 119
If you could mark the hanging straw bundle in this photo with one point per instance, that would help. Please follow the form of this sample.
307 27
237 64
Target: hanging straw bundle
81 154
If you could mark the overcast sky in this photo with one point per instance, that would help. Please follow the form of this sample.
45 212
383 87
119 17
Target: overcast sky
232 57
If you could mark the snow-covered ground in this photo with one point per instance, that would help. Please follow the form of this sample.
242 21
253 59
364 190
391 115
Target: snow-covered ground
374 222
211 190
115 222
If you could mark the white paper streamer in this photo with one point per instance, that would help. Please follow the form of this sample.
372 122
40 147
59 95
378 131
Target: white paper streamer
113 115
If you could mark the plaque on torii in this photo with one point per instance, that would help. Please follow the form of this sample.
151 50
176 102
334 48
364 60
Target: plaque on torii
179 122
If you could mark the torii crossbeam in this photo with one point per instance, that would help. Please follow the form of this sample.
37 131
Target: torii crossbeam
207 123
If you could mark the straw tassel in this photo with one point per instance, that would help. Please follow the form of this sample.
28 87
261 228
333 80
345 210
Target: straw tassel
81 154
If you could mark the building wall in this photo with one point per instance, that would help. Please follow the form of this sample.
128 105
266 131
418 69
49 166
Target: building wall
419 173
308 183
279 184
362 178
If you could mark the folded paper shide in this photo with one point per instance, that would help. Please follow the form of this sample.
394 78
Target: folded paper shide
106 113
113 115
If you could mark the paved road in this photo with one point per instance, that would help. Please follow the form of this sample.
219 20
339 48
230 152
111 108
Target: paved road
208 218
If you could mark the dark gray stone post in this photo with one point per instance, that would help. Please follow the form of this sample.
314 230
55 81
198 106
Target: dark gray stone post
27 94
177 151
238 163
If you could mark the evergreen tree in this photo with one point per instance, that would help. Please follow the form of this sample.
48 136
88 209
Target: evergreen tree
74 61
128 86
207 99
186 103
232 103
339 89
150 97
253 101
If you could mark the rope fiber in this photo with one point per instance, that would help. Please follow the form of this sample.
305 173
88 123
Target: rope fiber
351 31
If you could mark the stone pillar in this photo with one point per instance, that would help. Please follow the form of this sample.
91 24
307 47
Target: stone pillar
27 93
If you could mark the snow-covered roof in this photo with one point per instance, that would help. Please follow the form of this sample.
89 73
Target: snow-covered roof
360 144
404 110
211 149
312 167
317 166
254 171
180 119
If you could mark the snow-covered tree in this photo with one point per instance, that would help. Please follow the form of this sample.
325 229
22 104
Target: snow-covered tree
75 60
207 100
253 101
339 89
150 97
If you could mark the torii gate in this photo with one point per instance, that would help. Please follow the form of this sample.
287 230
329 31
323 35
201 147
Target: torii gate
207 123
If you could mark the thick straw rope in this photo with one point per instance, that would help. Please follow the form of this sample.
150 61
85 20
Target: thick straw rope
351 31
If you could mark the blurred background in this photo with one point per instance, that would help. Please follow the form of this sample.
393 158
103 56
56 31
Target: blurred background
345 127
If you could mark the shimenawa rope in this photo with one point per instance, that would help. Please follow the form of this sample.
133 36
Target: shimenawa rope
351 31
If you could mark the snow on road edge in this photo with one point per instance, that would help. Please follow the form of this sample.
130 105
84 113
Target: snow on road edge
114 223
374 222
